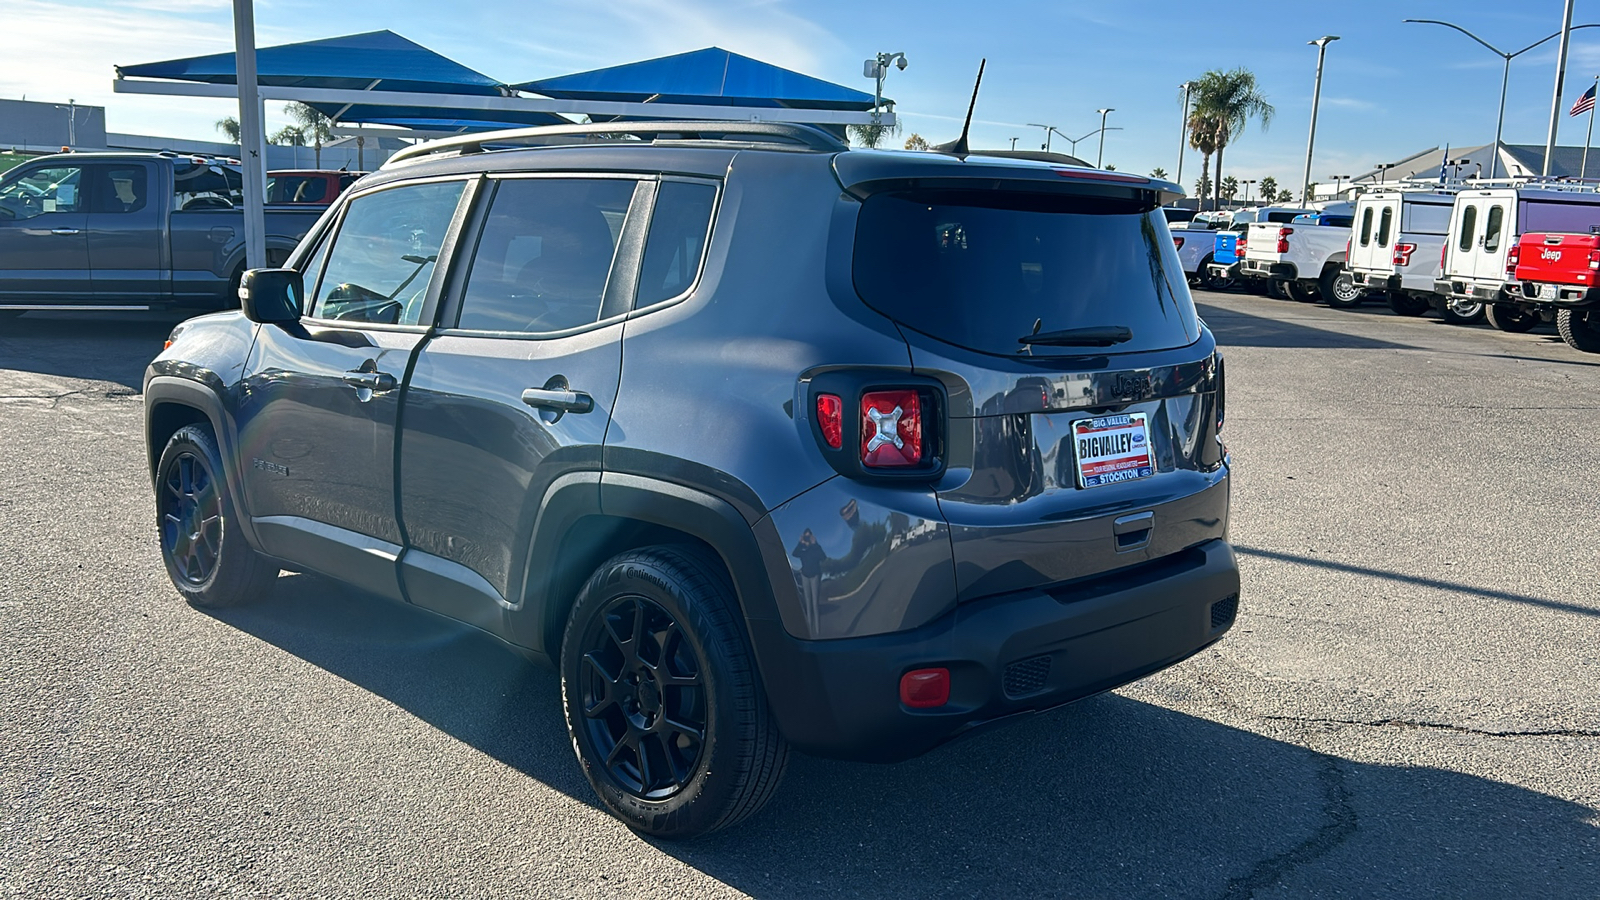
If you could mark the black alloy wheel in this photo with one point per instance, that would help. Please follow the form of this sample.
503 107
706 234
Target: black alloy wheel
191 518
643 700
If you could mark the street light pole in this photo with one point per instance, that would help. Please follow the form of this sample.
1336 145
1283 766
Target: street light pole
1183 130
1555 99
1100 159
1013 143
1316 100
1047 130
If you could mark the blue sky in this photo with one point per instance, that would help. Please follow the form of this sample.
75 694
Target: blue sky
1389 89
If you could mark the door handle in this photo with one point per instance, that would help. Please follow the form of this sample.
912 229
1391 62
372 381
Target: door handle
376 382
63 231
558 400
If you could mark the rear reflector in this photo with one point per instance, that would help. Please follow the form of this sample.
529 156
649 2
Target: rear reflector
925 688
830 418
891 429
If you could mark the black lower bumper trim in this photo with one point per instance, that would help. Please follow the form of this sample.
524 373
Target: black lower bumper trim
841 698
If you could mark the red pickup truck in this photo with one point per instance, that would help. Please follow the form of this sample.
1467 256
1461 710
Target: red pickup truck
310 187
1558 274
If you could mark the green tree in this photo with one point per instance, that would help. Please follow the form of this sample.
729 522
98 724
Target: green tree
1202 137
1269 189
872 135
1311 191
1229 100
1285 196
315 126
1229 188
230 127
916 142
1158 172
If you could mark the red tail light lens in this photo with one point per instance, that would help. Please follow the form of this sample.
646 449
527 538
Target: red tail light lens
1402 253
891 429
1512 256
1238 249
925 688
830 418
1177 242
1283 239
1222 394
1443 253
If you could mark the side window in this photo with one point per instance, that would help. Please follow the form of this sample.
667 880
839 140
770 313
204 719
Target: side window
119 189
312 270
545 254
1469 224
198 186
384 254
1366 227
1491 228
1385 224
48 190
676 242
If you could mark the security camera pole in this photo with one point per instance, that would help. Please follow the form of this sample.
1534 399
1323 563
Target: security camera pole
252 137
1316 100
876 68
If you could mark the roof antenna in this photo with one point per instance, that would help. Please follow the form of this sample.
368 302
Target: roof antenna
958 147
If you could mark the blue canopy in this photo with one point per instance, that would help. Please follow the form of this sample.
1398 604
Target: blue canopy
709 77
352 62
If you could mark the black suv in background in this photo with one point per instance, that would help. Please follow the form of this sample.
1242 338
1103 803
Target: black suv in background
762 442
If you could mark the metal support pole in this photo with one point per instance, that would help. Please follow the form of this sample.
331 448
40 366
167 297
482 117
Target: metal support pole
1500 119
1100 158
1316 101
72 124
1555 99
1183 132
252 139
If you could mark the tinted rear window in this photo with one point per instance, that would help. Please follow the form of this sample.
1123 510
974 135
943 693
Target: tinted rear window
1282 216
1569 218
979 269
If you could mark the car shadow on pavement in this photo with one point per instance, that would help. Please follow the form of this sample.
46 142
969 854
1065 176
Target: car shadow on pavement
1110 797
96 346
1235 328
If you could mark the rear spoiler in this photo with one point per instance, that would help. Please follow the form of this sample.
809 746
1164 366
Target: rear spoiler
864 174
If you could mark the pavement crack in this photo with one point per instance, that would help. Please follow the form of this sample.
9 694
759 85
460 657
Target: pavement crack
1440 726
53 400
1341 823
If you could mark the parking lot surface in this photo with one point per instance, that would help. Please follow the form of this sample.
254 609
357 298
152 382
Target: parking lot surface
1407 706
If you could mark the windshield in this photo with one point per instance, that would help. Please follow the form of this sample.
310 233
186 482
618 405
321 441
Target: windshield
982 269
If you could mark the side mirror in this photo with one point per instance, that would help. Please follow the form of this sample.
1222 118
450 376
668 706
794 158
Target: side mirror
271 296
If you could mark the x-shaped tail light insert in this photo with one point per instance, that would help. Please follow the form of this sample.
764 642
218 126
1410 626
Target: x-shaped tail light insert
888 425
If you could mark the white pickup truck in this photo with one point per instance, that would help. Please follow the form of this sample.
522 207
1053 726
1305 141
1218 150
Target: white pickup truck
1195 243
1396 243
1307 256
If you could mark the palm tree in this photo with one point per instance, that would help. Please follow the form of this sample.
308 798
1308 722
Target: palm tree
1158 172
1203 137
289 136
1228 188
230 127
1230 100
312 124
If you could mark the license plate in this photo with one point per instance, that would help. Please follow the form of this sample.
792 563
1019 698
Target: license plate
1549 292
1112 449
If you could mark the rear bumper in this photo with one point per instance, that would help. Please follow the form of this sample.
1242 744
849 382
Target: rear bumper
1259 268
1223 270
1567 296
1460 289
1008 656
1375 281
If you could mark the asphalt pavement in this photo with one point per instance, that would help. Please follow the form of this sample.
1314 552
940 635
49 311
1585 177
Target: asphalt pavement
1407 707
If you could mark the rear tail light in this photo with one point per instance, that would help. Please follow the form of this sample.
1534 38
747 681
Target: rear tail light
1512 256
925 688
1283 239
1177 242
1222 394
891 429
1238 249
1594 259
830 418
1402 253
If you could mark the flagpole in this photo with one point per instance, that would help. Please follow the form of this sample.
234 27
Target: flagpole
1584 170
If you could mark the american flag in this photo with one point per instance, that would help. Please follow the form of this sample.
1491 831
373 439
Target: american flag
1584 104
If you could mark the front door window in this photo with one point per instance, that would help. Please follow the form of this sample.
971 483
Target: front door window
384 255
56 189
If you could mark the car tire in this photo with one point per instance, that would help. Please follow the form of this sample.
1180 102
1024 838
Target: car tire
1299 293
1512 319
653 652
207 557
1338 288
1402 304
1580 328
1462 312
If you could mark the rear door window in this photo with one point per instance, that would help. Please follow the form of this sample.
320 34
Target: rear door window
119 189
545 254
981 269
1385 223
1492 227
676 244
1469 227
384 254
1366 227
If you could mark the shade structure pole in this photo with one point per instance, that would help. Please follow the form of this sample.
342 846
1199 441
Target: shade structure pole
1183 132
252 136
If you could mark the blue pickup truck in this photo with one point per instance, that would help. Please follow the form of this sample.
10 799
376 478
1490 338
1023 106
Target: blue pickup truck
1226 254
129 231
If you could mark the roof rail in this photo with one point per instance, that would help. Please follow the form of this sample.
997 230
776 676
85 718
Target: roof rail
566 135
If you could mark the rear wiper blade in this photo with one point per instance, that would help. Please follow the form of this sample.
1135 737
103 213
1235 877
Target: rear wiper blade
1102 336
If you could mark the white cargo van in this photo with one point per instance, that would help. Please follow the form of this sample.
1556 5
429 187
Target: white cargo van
1486 223
1396 243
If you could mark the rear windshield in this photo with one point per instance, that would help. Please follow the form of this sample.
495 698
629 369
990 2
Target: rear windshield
1425 218
981 269
1561 218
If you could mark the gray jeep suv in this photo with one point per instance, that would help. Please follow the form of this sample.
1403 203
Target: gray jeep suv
760 441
